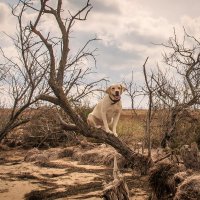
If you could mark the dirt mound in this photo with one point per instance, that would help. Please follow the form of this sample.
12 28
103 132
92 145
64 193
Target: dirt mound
99 155
43 155
189 189
168 182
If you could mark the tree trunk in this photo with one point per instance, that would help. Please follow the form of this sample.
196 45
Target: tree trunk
138 161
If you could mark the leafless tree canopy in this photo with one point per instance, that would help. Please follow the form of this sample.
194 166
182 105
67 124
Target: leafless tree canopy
24 76
51 73
184 59
177 88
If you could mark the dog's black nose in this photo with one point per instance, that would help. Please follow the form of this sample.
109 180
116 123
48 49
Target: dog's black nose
117 93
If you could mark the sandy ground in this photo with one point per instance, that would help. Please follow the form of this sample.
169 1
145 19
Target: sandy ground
59 178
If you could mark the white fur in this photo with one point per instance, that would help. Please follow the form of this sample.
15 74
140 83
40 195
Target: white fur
107 112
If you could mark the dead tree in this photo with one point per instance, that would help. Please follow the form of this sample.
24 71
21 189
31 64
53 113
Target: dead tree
66 72
150 105
147 90
132 92
179 87
24 76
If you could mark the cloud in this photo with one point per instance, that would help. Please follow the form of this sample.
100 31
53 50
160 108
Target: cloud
127 30
3 13
7 20
191 25
98 6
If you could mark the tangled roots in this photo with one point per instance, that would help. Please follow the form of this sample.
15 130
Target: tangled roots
162 180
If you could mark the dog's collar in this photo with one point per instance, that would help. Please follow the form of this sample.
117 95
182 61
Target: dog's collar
113 100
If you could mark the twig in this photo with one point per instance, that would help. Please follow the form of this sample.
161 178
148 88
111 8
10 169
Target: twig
160 159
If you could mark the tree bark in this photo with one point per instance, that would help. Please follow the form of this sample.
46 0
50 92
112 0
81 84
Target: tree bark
138 161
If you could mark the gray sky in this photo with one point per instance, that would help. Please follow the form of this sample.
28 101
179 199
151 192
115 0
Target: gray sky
127 29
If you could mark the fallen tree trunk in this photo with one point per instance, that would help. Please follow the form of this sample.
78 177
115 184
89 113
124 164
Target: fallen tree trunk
136 160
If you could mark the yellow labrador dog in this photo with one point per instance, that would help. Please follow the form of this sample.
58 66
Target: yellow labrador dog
107 112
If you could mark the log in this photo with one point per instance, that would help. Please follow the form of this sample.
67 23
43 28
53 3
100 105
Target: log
117 189
137 161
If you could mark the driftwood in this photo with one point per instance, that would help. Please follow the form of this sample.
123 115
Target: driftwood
117 189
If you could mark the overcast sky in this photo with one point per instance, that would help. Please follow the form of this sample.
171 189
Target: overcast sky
127 29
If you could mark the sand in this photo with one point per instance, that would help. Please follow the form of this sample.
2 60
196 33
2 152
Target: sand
58 178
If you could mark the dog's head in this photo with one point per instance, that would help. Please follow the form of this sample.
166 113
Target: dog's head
115 91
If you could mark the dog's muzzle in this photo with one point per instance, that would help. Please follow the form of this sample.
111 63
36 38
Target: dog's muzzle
117 93
115 98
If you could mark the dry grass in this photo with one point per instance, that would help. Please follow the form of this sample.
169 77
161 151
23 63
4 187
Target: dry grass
99 155
131 129
131 126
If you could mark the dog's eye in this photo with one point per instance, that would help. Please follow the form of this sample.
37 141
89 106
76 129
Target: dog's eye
119 88
113 88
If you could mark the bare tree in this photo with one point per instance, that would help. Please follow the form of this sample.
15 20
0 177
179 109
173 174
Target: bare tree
181 90
24 76
66 73
132 91
150 105
146 91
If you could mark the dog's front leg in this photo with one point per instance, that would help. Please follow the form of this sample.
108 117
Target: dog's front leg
105 122
115 122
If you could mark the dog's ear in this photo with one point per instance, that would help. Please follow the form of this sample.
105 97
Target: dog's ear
123 87
108 90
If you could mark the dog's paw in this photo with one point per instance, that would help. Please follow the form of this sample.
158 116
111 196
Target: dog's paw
115 134
109 131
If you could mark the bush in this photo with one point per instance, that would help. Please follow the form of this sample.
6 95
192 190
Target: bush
44 129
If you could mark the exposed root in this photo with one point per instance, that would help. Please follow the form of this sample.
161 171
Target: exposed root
162 180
